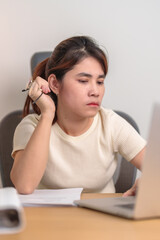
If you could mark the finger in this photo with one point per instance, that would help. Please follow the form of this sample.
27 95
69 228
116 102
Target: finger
33 88
28 85
126 194
45 89
42 84
34 91
130 192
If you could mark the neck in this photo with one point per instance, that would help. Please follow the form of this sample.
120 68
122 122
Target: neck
74 126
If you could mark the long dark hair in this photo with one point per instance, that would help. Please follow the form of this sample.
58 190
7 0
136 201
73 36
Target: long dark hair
67 53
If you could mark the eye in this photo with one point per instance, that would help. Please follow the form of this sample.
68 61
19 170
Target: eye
82 81
100 82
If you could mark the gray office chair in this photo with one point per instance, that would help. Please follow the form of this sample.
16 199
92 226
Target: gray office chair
7 128
37 58
124 176
125 173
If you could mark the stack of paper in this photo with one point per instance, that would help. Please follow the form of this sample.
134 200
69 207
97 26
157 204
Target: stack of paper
45 197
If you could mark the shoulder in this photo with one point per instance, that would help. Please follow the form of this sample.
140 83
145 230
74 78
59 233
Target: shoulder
113 122
31 118
108 121
30 121
26 126
108 115
24 131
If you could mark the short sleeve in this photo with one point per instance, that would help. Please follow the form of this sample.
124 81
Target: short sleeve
126 140
24 131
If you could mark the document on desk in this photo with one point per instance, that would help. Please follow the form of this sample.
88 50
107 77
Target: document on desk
51 197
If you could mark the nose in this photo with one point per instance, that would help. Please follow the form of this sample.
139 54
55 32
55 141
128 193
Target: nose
93 90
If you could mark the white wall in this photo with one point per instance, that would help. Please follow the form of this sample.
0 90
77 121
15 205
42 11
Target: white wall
128 29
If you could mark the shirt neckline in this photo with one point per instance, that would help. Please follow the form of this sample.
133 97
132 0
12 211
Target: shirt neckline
67 137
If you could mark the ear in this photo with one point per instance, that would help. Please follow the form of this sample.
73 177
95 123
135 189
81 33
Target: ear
53 83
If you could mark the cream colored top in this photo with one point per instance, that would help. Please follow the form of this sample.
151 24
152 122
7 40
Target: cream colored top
89 160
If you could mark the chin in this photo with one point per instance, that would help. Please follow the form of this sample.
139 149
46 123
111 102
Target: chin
92 113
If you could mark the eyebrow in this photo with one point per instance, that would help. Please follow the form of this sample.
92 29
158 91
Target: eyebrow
83 74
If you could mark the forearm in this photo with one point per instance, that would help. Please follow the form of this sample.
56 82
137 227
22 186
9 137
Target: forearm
29 164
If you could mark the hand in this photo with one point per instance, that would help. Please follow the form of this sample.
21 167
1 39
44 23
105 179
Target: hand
45 103
132 191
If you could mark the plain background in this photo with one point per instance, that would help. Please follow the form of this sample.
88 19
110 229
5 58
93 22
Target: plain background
127 30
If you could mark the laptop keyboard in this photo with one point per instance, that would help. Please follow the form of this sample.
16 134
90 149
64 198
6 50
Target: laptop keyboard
125 202
128 206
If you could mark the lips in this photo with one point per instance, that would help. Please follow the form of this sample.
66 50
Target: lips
93 104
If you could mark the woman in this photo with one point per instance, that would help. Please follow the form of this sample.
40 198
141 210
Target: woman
70 140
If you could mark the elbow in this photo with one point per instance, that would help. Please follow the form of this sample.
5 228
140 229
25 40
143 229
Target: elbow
22 188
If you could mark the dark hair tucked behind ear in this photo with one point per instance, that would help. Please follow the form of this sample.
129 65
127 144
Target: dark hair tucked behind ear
67 53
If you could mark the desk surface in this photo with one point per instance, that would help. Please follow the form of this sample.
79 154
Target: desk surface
79 223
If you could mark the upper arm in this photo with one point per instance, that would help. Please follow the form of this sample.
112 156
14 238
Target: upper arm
126 140
138 159
23 133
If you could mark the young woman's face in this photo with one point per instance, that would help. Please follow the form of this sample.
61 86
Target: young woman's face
82 89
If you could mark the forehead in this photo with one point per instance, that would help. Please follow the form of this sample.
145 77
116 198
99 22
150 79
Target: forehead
88 65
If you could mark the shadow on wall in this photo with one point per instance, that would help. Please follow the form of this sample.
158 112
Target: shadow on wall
0 181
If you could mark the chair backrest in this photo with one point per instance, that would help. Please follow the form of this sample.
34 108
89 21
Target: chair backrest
7 128
125 173
37 58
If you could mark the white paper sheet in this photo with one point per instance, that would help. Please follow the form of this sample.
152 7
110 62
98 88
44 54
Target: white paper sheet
46 197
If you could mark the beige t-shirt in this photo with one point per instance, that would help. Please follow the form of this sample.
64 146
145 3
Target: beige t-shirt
89 160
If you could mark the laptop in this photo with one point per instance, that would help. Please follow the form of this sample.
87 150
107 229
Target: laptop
146 203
